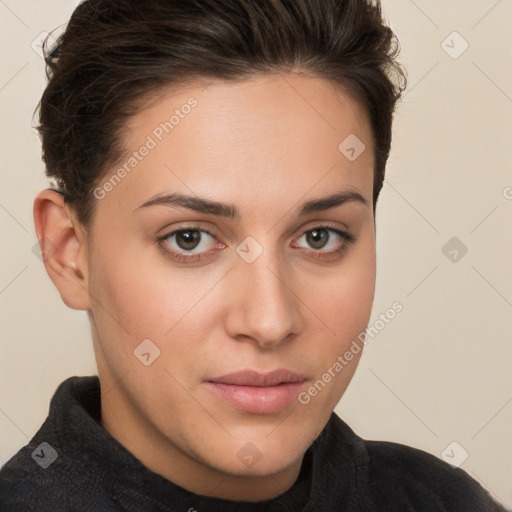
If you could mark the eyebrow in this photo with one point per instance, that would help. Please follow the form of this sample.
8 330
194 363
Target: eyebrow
230 211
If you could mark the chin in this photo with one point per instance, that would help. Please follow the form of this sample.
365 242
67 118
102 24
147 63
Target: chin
270 453
265 466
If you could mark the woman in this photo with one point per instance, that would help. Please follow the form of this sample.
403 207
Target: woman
217 164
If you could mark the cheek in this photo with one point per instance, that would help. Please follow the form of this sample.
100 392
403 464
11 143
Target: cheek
146 303
343 303
145 299
343 299
345 310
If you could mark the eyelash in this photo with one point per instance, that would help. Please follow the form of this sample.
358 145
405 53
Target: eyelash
318 254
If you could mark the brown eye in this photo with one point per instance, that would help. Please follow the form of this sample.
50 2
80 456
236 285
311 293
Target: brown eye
322 237
317 238
187 239
188 242
191 244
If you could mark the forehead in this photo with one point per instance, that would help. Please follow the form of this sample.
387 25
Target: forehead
275 134
276 100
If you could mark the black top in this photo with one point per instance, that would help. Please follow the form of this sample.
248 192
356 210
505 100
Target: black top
74 464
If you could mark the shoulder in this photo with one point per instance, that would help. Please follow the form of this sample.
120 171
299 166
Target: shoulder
48 474
422 478
44 477
394 476
24 477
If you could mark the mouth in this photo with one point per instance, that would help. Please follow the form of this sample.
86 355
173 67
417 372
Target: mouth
258 393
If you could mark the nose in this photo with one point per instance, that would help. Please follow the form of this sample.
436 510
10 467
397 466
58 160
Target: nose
263 304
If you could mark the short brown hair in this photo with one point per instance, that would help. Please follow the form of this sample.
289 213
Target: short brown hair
113 53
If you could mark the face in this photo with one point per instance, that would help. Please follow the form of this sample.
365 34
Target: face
185 293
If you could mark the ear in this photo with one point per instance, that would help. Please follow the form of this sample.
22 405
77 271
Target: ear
63 244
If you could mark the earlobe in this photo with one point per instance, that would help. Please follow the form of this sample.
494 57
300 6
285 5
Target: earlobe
63 247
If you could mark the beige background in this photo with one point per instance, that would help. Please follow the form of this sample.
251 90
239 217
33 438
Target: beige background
437 373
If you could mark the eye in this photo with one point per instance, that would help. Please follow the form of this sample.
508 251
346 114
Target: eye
326 240
318 237
191 244
187 240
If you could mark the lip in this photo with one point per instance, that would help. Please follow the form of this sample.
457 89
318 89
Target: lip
258 393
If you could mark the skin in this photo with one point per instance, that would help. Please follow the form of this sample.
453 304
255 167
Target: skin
266 146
